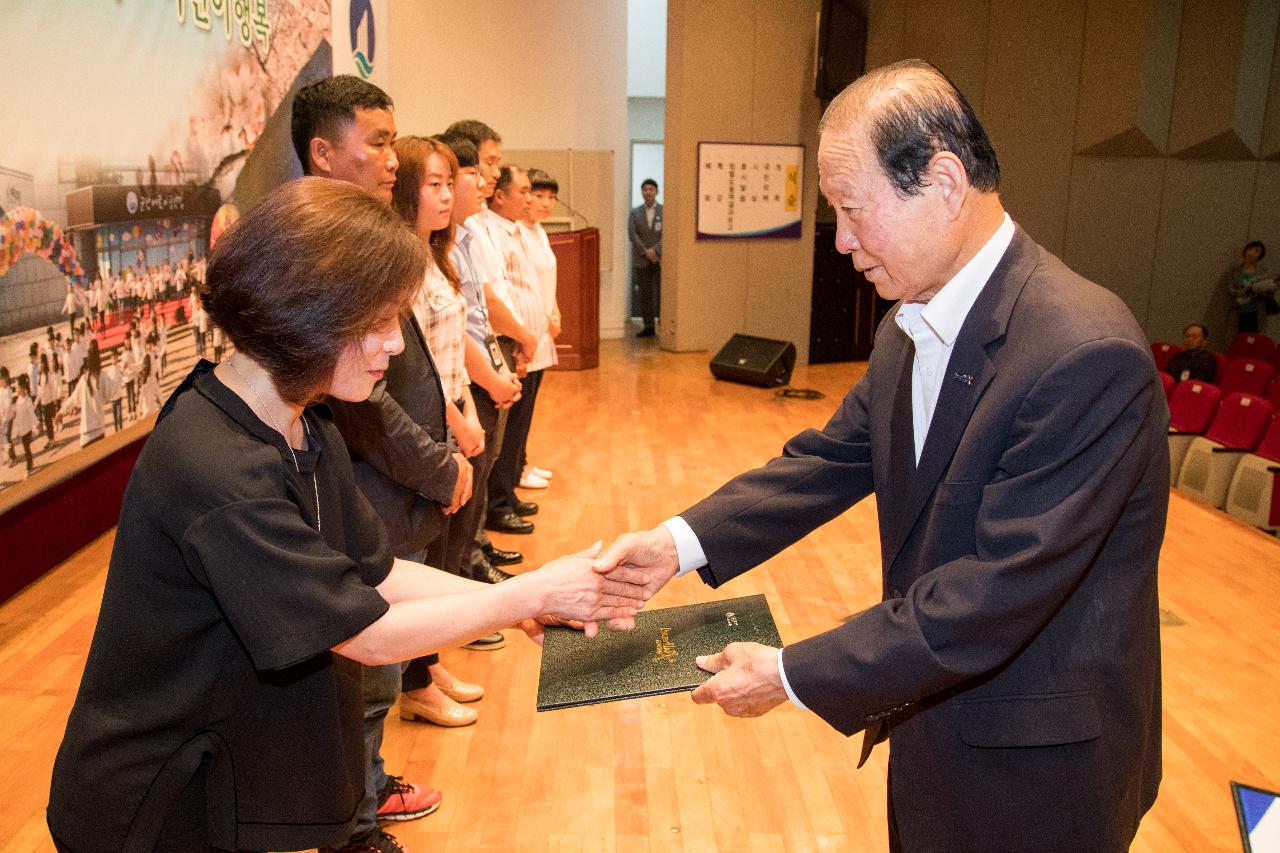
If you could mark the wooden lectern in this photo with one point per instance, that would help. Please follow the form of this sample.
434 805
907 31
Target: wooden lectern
578 292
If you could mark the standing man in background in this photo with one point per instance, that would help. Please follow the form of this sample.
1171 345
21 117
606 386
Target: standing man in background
645 228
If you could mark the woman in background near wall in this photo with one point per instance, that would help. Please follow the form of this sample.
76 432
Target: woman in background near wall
1252 287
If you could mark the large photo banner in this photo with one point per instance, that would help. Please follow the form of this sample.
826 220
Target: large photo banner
135 131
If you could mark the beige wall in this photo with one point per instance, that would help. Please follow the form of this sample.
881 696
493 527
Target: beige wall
1134 135
737 71
549 77
1138 138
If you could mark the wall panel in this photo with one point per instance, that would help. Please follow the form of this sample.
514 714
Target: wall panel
1113 222
1224 63
952 34
1127 76
1029 108
1204 220
746 81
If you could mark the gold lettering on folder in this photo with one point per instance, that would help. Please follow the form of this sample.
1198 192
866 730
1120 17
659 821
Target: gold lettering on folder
666 649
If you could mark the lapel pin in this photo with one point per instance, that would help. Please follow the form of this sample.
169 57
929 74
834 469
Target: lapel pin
966 378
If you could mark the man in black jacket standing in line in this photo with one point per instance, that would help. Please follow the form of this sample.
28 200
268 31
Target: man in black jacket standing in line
405 462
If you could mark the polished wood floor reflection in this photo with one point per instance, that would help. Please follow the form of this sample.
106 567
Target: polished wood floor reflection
631 443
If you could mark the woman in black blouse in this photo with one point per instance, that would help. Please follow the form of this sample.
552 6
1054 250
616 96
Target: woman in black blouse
220 705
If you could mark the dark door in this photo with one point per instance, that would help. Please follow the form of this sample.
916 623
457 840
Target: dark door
845 309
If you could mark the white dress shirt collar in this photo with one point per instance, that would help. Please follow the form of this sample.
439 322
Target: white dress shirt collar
507 225
945 313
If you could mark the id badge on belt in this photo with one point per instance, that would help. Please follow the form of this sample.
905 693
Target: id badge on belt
495 352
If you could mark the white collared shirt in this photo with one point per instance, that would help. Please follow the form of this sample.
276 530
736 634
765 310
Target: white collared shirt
522 279
934 327
488 257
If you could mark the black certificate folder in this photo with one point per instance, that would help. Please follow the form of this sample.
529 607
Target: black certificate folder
657 657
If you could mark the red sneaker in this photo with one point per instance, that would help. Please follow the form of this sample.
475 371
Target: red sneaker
400 800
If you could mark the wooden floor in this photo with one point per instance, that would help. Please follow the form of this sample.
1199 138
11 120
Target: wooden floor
632 443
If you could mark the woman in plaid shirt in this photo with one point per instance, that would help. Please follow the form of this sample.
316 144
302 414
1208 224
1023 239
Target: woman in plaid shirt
423 196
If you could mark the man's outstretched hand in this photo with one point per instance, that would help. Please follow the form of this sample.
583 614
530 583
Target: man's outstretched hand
652 552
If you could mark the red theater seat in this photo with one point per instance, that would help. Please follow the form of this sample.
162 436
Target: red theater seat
1212 458
1246 376
1251 345
1253 496
1191 408
1162 351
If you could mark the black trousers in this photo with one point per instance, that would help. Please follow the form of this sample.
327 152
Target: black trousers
506 471
461 549
895 843
649 284
417 674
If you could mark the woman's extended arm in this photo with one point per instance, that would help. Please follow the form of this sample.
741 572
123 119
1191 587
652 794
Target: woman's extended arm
431 609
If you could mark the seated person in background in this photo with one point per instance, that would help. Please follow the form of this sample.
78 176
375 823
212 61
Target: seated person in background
1195 361
220 705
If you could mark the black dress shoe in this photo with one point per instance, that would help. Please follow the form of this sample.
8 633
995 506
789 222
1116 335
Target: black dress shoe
508 523
645 333
524 508
487 573
499 557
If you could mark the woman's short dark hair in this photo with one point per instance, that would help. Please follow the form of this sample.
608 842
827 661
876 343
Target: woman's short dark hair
317 264
914 111
540 180
1259 245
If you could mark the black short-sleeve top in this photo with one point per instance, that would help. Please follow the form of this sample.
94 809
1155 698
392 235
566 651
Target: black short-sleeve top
222 602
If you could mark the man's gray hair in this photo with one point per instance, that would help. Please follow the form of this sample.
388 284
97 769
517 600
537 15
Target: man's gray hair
913 111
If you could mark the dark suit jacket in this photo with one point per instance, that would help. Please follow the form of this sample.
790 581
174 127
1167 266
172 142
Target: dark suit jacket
400 445
642 236
1199 364
1015 656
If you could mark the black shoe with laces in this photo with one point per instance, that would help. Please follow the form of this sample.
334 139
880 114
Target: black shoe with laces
376 841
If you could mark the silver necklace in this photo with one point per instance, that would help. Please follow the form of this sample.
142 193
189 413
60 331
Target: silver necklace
306 432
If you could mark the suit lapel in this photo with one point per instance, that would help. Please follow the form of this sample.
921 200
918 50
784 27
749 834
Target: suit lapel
969 372
902 447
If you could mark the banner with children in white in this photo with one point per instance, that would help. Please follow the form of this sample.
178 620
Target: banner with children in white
135 132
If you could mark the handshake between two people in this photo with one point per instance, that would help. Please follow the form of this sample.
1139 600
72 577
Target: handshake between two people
747 678
606 586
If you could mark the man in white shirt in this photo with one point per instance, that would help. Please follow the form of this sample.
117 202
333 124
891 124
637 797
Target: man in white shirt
516 341
509 205
1012 430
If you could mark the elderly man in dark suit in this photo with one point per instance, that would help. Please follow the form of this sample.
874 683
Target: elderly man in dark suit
1012 428
645 230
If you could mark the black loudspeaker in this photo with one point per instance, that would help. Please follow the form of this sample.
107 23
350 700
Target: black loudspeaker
755 361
